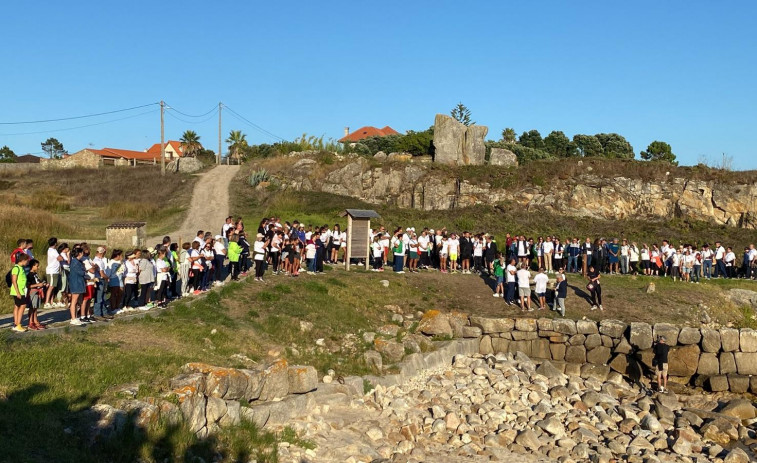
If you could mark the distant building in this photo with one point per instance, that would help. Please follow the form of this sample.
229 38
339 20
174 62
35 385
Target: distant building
366 132
173 150
28 159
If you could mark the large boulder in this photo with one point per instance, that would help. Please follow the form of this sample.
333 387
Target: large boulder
641 335
613 328
502 157
748 340
449 139
746 363
689 335
729 339
710 340
186 165
708 364
433 323
683 361
668 330
743 297
456 144
302 379
474 149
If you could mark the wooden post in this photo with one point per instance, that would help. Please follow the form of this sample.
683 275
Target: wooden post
348 253
368 248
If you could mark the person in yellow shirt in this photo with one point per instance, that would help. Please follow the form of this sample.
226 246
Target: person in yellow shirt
18 290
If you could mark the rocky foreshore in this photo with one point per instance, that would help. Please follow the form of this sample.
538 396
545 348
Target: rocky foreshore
505 407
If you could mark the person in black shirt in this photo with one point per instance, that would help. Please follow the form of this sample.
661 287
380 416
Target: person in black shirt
660 361
595 288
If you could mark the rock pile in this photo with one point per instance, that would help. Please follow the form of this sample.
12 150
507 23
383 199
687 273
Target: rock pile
508 408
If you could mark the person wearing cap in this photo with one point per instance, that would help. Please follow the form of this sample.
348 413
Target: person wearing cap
660 362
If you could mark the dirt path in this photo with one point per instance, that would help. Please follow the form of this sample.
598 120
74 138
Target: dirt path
210 204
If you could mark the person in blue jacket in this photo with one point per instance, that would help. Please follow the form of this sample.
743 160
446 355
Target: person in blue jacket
77 286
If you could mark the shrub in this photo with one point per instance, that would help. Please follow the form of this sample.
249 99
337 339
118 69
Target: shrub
257 177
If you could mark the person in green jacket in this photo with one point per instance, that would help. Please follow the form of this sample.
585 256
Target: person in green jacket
18 291
499 274
234 251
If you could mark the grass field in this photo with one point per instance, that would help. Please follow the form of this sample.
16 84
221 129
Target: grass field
80 203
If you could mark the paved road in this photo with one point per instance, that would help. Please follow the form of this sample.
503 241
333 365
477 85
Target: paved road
208 210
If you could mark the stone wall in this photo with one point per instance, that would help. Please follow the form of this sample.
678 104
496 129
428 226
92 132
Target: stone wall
83 158
18 166
718 360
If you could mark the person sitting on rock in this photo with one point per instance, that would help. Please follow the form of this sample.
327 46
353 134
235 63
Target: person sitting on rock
660 362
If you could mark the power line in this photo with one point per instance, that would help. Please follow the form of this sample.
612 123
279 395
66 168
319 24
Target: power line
78 117
193 122
261 129
80 126
214 108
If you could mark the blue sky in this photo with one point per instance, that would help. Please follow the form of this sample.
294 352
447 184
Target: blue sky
679 71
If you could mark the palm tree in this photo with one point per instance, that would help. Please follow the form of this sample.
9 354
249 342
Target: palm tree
237 140
190 142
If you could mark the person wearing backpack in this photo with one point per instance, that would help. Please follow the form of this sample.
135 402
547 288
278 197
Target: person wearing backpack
18 290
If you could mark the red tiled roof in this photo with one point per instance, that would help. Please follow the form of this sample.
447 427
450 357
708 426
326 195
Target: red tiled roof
368 131
155 149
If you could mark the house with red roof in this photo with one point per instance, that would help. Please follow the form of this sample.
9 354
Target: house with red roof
174 150
366 132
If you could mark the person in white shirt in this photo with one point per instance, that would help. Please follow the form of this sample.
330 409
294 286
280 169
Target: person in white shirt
707 257
687 264
752 253
540 286
524 287
385 245
721 271
399 249
478 254
225 229
377 251
423 249
52 273
730 263
548 248
337 236
453 246
219 256
625 257
633 258
259 248
675 264
443 253
200 238
412 247
510 279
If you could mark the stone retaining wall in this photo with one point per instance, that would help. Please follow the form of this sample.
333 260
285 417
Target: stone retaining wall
716 359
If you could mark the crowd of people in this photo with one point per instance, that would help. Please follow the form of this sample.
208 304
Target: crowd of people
97 284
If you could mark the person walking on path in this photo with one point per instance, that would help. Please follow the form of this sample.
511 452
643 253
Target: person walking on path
595 289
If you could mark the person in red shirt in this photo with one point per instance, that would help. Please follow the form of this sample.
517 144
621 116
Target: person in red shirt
20 249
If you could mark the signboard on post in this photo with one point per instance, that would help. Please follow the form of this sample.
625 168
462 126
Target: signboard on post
358 235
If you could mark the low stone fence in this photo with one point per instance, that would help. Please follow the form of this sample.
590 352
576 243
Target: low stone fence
716 359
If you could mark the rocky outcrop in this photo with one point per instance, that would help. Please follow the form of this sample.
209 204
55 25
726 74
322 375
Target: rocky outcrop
456 144
186 164
414 185
502 157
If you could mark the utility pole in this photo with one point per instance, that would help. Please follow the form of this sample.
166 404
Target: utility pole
218 158
162 139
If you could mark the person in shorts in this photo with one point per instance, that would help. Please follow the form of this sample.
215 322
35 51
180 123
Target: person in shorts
524 287
660 362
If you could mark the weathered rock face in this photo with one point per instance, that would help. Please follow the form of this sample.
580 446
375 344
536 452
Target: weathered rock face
456 144
502 157
187 165
413 185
